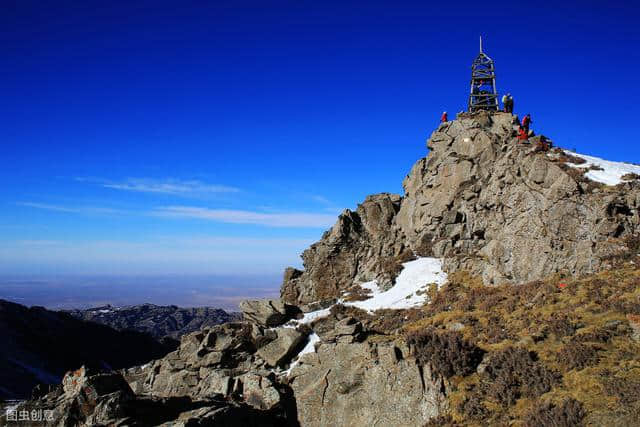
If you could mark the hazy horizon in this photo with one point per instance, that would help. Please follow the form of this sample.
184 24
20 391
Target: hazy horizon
86 291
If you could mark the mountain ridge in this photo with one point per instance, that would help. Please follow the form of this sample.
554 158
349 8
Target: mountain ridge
159 321
40 345
502 288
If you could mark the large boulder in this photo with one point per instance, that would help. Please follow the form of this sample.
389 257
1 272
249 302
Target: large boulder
266 312
365 384
259 391
344 330
281 349
86 397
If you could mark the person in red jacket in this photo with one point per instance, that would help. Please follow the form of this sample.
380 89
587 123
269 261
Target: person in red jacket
523 134
444 117
526 121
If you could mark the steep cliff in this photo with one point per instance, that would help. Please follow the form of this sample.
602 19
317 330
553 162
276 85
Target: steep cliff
483 202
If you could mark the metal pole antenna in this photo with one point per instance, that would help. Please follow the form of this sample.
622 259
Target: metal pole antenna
480 44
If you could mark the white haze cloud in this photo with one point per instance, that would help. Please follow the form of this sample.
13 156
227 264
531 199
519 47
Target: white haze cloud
294 219
165 186
85 210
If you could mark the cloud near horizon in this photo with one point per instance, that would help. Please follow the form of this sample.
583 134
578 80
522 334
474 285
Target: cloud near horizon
228 216
176 187
86 210
294 219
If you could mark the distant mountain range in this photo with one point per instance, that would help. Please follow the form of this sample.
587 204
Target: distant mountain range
40 345
159 321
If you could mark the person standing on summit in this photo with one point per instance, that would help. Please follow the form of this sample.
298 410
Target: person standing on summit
444 117
526 121
507 102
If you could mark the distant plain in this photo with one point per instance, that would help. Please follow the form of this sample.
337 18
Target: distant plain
66 292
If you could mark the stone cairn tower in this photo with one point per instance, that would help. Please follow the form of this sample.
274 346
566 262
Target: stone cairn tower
483 95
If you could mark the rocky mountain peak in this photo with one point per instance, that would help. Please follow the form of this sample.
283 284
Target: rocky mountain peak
389 322
482 201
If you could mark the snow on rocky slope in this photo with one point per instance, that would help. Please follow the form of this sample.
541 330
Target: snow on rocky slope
406 293
611 173
409 291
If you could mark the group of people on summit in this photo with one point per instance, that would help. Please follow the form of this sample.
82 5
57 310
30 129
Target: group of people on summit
507 102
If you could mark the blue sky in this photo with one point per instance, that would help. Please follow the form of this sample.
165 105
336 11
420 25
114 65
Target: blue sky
223 137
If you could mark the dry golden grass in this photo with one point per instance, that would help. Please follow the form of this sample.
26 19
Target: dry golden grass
578 335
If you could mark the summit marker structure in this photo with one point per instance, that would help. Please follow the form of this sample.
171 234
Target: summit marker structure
483 94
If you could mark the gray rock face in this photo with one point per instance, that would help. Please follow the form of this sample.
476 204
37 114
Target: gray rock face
281 349
483 202
205 364
345 330
365 384
363 245
225 374
267 312
88 398
259 392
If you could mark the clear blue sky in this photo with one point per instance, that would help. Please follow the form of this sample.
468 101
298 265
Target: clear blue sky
218 137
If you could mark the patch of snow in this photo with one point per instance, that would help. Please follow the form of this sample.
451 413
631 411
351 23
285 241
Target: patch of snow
314 315
309 348
311 344
612 171
404 294
371 286
308 318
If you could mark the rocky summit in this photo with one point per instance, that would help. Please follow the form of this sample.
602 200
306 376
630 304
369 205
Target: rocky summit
501 288
483 202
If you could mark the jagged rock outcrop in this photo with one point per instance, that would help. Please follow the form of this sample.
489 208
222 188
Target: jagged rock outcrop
483 202
347 380
203 364
268 312
89 398
244 371
281 349
363 245
365 384
233 360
